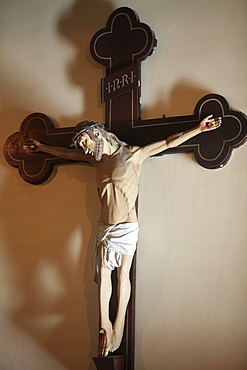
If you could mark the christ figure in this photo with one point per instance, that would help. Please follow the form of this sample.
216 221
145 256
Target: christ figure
118 166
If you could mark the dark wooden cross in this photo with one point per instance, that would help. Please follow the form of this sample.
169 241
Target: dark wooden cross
121 46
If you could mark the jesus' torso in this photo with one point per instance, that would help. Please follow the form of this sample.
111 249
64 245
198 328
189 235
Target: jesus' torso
117 182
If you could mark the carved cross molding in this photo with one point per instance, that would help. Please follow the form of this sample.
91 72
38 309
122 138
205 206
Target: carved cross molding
121 46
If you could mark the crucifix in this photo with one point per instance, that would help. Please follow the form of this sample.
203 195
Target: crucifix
121 47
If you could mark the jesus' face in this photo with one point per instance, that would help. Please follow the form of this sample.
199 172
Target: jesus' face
92 143
86 143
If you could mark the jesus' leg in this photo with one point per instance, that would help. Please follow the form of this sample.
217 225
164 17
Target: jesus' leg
124 289
105 291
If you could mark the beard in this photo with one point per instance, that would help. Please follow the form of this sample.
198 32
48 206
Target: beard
98 149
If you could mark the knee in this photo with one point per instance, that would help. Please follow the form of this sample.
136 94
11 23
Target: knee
105 272
123 275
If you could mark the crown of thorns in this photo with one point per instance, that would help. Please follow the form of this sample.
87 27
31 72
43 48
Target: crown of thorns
82 127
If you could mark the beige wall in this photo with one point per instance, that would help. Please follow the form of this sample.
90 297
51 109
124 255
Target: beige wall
191 309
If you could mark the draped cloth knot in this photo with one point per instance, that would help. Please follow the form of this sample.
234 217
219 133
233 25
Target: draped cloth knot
116 240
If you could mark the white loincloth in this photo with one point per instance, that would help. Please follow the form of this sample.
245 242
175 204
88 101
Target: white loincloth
116 240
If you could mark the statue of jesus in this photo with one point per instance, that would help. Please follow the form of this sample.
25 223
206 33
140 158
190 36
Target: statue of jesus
118 166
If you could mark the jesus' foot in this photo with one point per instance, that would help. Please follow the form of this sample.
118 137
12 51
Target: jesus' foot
116 340
104 345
